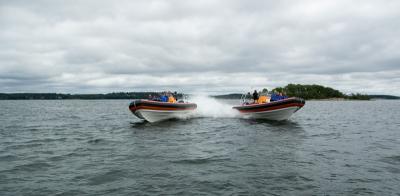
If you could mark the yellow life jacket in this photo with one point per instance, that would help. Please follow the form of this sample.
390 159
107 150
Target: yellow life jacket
171 99
263 99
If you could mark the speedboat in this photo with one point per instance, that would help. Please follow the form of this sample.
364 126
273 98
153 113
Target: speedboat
154 111
273 110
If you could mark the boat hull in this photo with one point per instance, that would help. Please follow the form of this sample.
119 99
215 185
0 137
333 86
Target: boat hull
277 110
154 111
160 115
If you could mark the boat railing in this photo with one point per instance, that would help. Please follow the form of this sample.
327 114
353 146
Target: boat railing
245 99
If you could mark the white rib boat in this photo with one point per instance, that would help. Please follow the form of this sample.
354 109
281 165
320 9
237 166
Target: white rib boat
276 110
154 111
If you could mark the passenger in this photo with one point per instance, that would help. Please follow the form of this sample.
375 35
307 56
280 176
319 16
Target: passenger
164 97
150 97
284 96
275 97
157 97
262 99
255 96
171 99
248 98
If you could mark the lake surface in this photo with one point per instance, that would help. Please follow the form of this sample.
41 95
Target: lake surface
97 147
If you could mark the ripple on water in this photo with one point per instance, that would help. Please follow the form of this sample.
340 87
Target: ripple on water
8 158
81 147
200 160
96 141
392 164
33 166
106 177
394 160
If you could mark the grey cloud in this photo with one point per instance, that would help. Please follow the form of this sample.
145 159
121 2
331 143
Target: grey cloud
193 45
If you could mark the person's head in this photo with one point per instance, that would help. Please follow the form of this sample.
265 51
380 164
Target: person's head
255 91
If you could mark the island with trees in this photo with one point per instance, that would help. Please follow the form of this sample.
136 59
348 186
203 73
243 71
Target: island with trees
314 91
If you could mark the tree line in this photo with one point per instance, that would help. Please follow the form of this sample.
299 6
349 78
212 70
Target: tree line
312 91
304 91
115 95
315 91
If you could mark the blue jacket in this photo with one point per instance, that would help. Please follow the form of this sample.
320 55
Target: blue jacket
275 97
164 98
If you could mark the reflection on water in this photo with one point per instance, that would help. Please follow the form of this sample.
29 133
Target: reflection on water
78 147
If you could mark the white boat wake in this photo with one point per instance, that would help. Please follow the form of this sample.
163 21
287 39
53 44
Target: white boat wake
212 108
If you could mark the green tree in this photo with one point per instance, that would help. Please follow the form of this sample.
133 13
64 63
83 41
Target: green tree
313 91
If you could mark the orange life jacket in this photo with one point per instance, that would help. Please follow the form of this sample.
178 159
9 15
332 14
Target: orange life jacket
263 99
171 99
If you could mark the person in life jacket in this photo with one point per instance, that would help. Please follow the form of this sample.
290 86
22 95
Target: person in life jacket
164 97
263 99
171 99
283 96
277 97
255 96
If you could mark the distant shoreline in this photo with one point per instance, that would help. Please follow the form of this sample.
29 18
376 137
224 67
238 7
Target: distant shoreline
305 91
62 96
370 97
145 95
340 99
314 92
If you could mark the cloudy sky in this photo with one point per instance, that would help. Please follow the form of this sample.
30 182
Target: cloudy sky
214 46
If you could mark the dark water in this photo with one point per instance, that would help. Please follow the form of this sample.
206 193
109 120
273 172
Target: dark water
80 147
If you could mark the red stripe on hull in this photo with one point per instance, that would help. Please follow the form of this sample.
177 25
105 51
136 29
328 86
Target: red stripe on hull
270 108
